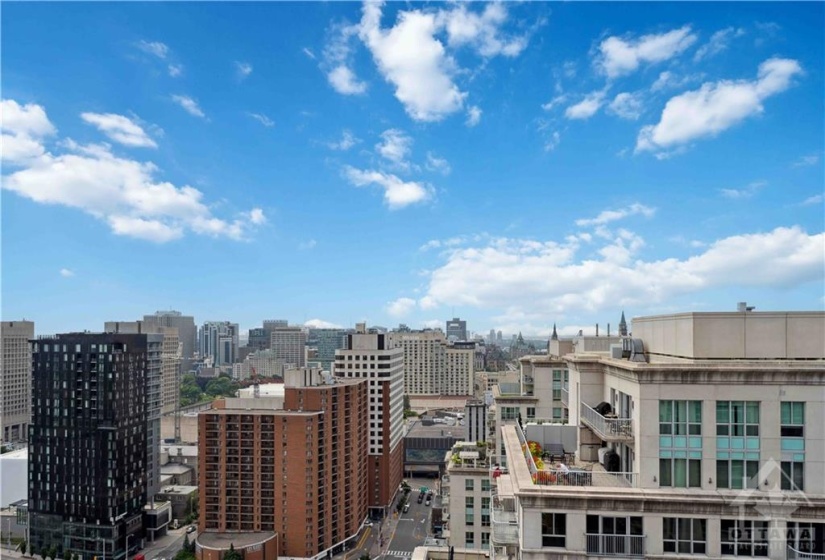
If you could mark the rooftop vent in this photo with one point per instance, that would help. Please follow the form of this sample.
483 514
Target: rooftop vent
742 307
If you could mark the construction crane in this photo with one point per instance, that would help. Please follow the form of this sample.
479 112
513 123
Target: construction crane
256 388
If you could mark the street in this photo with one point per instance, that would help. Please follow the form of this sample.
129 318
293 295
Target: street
411 528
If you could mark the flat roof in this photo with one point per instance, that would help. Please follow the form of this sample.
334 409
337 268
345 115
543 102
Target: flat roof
16 454
220 541
417 429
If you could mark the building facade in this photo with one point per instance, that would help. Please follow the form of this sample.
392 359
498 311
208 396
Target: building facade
699 436
475 421
432 366
456 330
371 356
289 344
469 500
291 467
187 332
219 341
326 342
15 383
88 442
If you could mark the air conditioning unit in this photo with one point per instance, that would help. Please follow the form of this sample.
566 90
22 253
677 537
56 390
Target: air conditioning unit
603 451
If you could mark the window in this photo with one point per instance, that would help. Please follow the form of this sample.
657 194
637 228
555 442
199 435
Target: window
615 536
685 536
736 474
737 444
680 443
485 539
485 485
553 529
531 413
468 484
741 537
469 539
557 413
806 537
469 519
792 431
737 418
509 413
468 502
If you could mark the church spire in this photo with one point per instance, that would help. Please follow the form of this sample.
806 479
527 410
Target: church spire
555 335
622 326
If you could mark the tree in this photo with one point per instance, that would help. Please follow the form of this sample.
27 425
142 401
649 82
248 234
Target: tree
45 553
232 554
53 552
406 402
190 391
23 547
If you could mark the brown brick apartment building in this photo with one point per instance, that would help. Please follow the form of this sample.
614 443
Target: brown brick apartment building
287 475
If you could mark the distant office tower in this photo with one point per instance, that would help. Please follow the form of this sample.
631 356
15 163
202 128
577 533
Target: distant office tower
88 442
259 339
371 356
263 363
272 324
475 421
434 367
285 474
326 342
456 329
16 380
492 337
499 338
218 340
187 332
289 344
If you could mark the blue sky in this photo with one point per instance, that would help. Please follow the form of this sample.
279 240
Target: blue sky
516 165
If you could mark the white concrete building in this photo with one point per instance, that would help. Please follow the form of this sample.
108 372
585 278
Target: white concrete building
289 344
15 380
468 498
710 428
432 366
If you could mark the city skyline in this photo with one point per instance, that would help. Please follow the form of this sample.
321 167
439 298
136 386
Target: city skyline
514 165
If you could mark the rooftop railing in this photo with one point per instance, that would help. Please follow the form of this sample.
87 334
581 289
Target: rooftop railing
574 477
795 554
608 429
625 546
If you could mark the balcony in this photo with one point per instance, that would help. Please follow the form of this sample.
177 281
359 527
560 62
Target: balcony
607 429
565 397
624 546
505 527
794 554
575 477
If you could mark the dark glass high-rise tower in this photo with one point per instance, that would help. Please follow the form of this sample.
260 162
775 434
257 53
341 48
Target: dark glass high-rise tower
88 443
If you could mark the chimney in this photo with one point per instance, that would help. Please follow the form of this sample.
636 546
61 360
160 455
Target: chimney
597 329
608 330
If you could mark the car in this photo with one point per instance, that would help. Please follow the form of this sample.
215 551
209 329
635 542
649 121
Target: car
191 529
427 503
420 498
406 508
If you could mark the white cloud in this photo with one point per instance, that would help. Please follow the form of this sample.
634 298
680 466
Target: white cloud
263 119
747 192
175 70
511 274
397 193
309 53
627 106
622 56
481 30
670 80
473 116
395 146
413 61
243 69
587 107
432 324
124 193
120 129
321 324
189 105
815 199
716 107
23 129
556 101
155 48
347 141
344 81
718 42
66 273
307 245
400 307
805 161
607 216
435 163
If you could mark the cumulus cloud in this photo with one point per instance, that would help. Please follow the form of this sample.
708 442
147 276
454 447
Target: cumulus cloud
607 216
189 105
718 42
511 274
263 119
670 80
400 307
619 56
413 61
175 70
587 107
627 106
243 69
716 106
124 193
347 141
23 129
344 81
120 129
473 116
481 30
397 193
435 163
321 324
66 273
395 146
